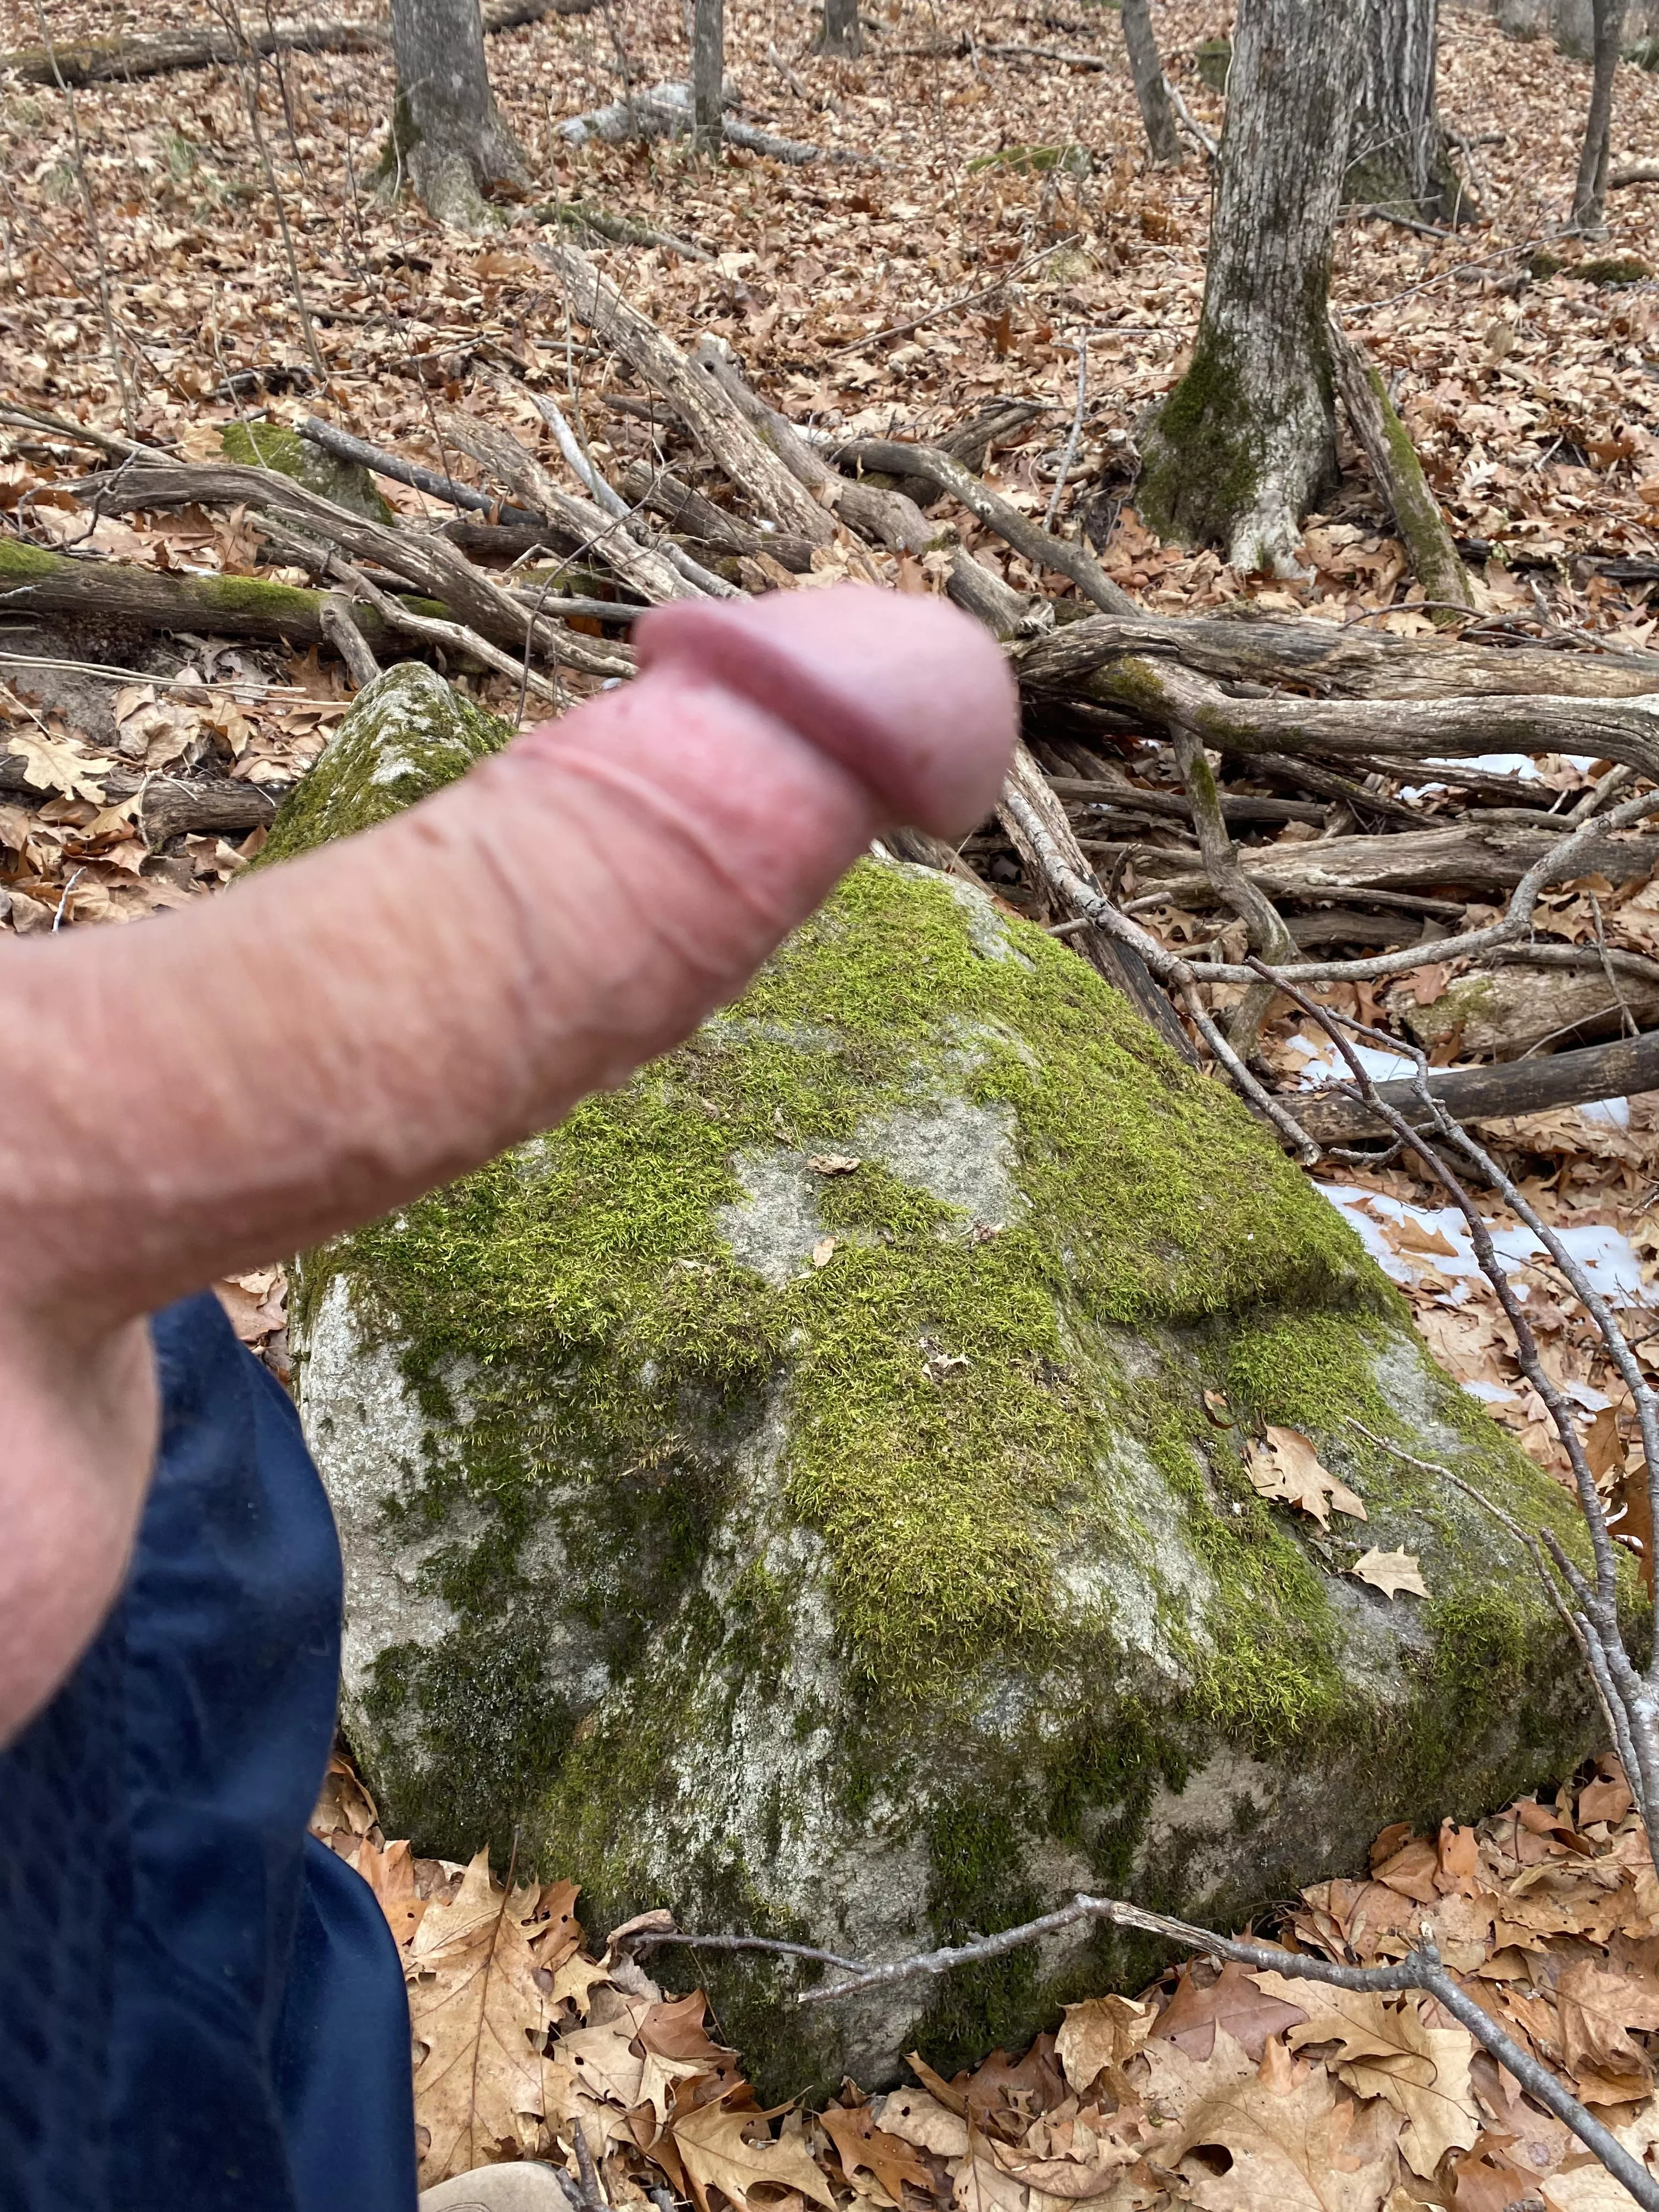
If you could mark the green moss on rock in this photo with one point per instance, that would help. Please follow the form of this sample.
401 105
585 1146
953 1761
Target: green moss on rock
408 733
272 445
850 1554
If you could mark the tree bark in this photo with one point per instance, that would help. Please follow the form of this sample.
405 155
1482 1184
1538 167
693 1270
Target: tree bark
1147 70
1399 157
1246 441
447 140
1589 191
1470 1094
841 33
707 73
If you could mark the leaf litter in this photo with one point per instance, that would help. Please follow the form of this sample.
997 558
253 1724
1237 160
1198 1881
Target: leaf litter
1230 2090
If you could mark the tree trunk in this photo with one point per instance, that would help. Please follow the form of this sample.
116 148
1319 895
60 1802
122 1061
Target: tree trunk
841 33
447 140
1589 193
707 72
1147 70
1246 439
1399 157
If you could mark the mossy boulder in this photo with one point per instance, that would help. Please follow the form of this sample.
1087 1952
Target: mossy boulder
272 446
787 1492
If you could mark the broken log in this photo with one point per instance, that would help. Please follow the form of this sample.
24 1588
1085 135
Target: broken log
1324 659
1473 858
1618 1070
170 804
1399 477
887 457
76 63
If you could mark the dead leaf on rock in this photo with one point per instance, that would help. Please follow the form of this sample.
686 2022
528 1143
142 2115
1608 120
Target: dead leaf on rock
1287 1467
1391 1572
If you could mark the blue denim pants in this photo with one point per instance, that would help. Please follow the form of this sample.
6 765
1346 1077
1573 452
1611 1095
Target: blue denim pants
201 2009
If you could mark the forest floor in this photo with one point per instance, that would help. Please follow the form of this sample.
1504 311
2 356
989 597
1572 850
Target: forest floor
996 209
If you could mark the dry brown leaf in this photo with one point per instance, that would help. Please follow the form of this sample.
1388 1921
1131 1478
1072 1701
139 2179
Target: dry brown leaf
1388 2051
1286 1466
833 1164
914 2117
1102 2032
1289 2137
715 2149
1234 2002
54 764
477 2014
1391 1572
862 2145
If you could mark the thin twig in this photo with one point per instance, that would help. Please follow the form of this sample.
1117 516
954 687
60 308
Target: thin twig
947 307
1075 436
128 416
1422 1969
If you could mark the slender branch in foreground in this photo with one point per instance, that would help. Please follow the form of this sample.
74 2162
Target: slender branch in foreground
1612 1710
1560 861
1422 1969
1175 973
1601 1635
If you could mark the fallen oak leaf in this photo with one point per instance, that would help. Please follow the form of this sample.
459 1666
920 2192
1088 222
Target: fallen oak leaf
1290 2139
715 2150
1287 1467
1234 2002
1101 2033
1391 1572
862 2144
1389 2049
51 765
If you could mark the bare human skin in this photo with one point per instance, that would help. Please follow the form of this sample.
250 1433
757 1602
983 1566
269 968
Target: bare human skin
185 1099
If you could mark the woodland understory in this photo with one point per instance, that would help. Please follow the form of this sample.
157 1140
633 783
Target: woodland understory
209 319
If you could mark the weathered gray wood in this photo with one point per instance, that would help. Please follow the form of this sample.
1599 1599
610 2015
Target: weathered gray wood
1241 447
1477 861
1400 477
1399 157
887 457
77 63
708 71
1359 663
1620 1070
1589 191
711 417
1152 93
841 33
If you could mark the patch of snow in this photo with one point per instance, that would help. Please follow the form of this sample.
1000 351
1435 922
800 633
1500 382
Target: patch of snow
1331 1067
1603 1252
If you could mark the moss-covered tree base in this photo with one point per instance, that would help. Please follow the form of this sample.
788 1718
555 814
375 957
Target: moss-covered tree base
787 1492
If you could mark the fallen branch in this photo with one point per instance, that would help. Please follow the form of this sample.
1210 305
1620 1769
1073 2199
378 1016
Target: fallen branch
330 439
1349 664
1630 1695
1620 1069
1164 694
945 474
1399 477
1268 936
118 61
664 111
1026 798
714 420
897 521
